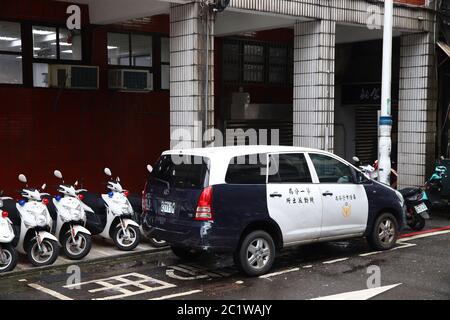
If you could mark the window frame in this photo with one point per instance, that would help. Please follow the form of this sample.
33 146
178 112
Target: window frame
58 59
18 53
259 157
155 69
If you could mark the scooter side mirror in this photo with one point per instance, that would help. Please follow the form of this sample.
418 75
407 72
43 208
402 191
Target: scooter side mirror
76 183
44 186
149 168
356 159
58 174
23 178
118 179
108 172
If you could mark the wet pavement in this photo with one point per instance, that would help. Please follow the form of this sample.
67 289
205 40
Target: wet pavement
418 268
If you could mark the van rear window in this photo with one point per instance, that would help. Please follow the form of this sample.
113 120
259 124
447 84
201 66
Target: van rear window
183 172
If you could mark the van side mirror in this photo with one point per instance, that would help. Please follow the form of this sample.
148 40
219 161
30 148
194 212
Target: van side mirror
149 168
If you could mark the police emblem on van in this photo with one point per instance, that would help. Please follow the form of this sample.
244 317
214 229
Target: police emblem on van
347 210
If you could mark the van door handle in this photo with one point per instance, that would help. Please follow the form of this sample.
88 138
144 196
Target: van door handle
275 195
328 194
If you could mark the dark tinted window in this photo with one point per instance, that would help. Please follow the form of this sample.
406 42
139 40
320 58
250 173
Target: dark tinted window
331 170
292 168
247 170
187 172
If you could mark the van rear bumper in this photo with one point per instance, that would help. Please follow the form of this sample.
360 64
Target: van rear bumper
195 235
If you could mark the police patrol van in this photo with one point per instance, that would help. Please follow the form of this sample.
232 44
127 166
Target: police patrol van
255 200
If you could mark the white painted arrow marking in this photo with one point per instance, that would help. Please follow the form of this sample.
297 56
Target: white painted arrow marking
359 295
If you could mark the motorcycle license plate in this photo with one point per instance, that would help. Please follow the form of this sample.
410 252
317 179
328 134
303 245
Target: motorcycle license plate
421 208
167 207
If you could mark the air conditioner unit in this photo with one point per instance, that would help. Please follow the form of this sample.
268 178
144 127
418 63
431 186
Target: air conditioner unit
130 80
73 76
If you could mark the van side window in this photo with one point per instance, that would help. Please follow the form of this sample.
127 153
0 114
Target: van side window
247 170
330 170
292 168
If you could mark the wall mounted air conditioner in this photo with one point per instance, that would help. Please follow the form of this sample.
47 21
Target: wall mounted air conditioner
130 80
73 76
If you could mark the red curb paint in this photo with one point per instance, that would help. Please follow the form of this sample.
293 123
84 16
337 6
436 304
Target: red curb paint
424 232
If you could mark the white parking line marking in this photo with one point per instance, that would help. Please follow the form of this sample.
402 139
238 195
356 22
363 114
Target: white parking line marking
370 253
177 295
335 261
279 273
426 235
122 284
52 293
359 295
404 246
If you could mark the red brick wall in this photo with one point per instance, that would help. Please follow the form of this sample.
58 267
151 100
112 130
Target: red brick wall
79 131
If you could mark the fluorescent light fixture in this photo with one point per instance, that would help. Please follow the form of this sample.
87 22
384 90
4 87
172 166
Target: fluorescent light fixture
64 44
37 49
112 47
20 57
8 39
67 51
43 32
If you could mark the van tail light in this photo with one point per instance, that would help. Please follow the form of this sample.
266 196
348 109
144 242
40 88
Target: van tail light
204 207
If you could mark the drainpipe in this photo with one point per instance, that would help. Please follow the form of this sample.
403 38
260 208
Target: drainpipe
385 142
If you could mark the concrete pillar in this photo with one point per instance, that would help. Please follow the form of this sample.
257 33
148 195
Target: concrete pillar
314 70
188 74
417 109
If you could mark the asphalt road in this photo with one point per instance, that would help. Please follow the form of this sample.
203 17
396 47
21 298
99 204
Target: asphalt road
418 268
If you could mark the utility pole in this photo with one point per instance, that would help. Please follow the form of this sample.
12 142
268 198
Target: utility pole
385 142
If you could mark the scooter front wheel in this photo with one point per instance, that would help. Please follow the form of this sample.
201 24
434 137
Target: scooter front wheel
128 239
78 247
417 224
44 256
8 258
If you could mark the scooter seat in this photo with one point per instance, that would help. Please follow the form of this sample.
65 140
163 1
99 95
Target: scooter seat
410 192
95 202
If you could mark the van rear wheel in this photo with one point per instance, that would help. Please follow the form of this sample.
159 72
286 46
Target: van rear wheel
256 254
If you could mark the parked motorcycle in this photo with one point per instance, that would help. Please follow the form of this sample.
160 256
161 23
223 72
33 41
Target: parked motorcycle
8 254
36 241
372 171
113 216
417 211
75 239
434 187
156 243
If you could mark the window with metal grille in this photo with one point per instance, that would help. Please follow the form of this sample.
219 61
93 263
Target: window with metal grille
256 62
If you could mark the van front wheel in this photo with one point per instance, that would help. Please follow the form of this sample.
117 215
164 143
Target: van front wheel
256 254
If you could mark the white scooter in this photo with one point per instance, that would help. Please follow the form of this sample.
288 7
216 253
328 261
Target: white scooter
36 241
118 225
75 239
8 254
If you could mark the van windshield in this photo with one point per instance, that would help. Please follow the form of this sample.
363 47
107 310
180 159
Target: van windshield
181 172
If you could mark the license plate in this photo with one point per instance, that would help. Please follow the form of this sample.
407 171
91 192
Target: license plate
167 207
421 208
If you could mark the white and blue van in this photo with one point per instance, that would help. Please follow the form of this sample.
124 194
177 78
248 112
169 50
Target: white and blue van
255 200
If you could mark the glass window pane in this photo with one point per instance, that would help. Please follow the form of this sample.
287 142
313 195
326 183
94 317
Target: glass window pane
40 75
292 168
165 50
118 49
253 54
330 170
141 47
247 170
253 73
10 37
70 45
44 42
11 69
231 70
165 77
